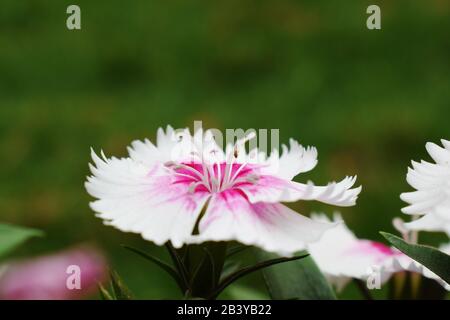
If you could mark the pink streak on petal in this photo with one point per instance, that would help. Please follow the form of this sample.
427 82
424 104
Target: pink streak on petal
378 251
236 201
382 248
266 183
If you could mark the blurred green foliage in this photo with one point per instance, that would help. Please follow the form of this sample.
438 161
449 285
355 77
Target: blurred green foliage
369 100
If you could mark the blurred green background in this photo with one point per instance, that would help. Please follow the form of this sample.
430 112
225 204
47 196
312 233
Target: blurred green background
368 100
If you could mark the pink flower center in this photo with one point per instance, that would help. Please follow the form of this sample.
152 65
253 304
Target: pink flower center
213 178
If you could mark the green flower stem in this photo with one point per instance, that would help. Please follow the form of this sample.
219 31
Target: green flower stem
204 264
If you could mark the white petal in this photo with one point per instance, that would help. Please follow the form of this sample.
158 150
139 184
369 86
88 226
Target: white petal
336 193
439 154
144 152
446 144
432 182
293 160
135 198
427 222
175 145
340 255
206 145
271 189
272 227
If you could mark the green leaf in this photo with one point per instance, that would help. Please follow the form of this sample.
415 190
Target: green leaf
13 236
166 267
229 267
212 263
240 292
246 270
299 279
205 263
236 250
196 272
435 260
104 293
121 292
179 265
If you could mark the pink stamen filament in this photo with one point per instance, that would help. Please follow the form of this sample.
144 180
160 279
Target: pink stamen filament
208 177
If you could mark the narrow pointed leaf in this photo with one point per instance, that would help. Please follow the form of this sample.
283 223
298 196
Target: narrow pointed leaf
205 264
196 272
435 260
247 270
121 292
104 294
181 271
13 236
212 263
166 267
299 279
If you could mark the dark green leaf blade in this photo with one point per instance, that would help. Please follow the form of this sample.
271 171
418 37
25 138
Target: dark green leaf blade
179 265
13 236
435 260
247 270
166 267
236 250
299 279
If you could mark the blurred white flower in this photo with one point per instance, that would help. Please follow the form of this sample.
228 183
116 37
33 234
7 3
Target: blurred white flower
342 256
160 191
431 201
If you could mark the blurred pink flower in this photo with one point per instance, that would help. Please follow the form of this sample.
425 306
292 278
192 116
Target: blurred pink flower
47 277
